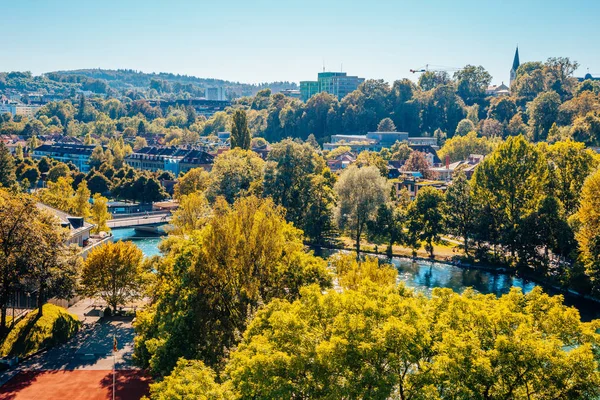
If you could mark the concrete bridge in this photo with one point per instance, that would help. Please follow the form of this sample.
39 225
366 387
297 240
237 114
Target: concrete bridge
144 223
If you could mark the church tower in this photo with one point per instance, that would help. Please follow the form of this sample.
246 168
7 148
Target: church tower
515 66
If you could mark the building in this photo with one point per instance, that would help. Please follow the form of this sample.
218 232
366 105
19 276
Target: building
338 84
78 154
308 89
496 91
121 207
515 67
293 93
375 141
215 93
342 161
413 183
172 159
15 108
79 229
446 172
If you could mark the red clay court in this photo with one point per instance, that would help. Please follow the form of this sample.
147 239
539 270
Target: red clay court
75 385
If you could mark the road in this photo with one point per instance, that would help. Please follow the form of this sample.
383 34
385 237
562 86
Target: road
90 349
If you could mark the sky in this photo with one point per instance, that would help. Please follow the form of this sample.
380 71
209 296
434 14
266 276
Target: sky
266 40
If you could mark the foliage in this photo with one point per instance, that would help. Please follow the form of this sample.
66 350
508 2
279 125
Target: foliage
240 134
360 191
386 125
459 148
7 167
113 272
235 173
212 280
39 331
189 380
378 341
426 216
195 180
460 212
99 214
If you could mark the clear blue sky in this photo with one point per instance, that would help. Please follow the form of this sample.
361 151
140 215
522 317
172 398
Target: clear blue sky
268 40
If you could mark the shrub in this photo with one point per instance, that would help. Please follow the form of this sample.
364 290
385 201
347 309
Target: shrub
32 334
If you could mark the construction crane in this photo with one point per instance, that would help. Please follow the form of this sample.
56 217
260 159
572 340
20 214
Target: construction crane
436 68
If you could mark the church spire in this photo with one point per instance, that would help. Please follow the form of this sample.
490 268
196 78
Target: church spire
516 62
515 67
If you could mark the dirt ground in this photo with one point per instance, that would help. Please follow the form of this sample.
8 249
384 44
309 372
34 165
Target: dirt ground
75 385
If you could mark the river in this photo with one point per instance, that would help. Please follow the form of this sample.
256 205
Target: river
421 275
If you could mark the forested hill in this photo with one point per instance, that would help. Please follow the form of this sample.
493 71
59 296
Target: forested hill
108 81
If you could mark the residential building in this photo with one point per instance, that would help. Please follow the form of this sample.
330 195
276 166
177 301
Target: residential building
78 154
446 173
79 229
413 183
372 141
16 108
172 159
342 161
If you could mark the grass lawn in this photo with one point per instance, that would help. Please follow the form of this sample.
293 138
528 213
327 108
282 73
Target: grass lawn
441 251
34 333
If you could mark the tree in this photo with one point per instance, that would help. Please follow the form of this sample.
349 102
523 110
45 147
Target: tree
465 126
471 83
17 215
371 158
139 143
319 226
234 174
460 211
491 128
192 212
588 229
195 180
81 202
141 129
97 158
7 167
401 151
98 183
288 177
190 379
60 170
388 226
386 125
99 214
334 345
543 112
32 174
459 148
54 266
59 194
211 281
511 182
44 164
360 192
570 163
240 134
113 272
426 218
417 161
431 79
311 140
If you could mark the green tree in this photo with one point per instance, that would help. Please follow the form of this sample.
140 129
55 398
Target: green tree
235 174
212 280
189 380
459 148
426 217
511 181
388 226
7 167
386 125
60 170
570 163
588 228
465 126
360 192
543 112
113 272
471 83
460 211
240 134
417 161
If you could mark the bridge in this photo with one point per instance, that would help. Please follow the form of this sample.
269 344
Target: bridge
149 223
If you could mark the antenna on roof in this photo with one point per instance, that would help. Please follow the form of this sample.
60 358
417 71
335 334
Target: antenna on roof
323 65
342 67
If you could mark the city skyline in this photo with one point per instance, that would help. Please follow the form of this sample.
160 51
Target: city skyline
266 42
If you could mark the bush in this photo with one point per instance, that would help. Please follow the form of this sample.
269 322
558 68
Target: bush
32 334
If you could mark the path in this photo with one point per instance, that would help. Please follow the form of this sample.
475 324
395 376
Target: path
89 350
